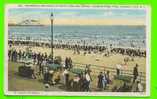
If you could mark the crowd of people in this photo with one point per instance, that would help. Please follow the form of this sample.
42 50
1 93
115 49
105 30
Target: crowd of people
103 80
76 82
88 49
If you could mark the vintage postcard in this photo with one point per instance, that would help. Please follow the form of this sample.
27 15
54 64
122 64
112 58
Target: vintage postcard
77 50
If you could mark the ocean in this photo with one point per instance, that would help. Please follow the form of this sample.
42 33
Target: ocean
118 36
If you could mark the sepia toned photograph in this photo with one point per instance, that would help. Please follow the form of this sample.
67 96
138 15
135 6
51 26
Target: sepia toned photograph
82 50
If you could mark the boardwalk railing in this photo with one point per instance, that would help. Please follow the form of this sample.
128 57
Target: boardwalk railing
97 68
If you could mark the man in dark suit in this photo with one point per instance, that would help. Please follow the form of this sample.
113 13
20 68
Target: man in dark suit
135 73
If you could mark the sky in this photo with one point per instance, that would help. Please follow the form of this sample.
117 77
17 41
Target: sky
77 16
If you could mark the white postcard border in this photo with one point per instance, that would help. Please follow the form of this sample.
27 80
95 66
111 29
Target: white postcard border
55 93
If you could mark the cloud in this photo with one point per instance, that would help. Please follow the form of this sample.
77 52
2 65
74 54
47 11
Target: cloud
82 21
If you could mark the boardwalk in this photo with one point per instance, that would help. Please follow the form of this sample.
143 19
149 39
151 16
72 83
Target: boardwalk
18 83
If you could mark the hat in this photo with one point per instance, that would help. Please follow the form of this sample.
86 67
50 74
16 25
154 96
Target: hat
51 71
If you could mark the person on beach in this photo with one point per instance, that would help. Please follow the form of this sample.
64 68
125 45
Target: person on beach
14 56
76 80
51 77
118 67
88 81
135 73
81 82
46 75
43 64
66 63
38 58
100 81
20 55
34 58
139 87
78 51
88 70
9 54
108 77
104 80
70 63
66 78
84 83
42 57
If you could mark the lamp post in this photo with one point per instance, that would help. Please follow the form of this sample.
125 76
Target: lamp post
51 18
